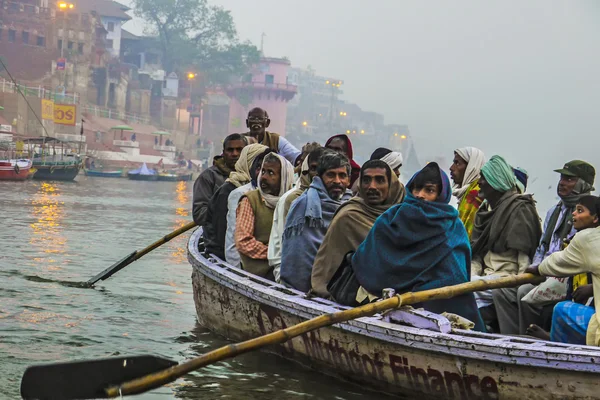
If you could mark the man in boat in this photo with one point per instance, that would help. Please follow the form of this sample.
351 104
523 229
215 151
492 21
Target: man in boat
506 231
571 318
343 145
212 178
379 190
418 245
258 121
581 256
215 226
514 315
255 214
391 158
307 173
309 218
465 172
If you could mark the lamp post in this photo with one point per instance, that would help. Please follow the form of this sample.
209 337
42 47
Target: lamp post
334 85
191 76
64 7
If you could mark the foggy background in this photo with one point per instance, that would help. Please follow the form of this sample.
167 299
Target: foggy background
515 78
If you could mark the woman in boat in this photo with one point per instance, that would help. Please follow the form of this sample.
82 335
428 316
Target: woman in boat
572 319
420 244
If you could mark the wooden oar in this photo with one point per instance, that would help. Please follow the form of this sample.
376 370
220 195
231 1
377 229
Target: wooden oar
93 386
136 255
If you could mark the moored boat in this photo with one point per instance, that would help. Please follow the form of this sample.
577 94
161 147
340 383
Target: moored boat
53 169
103 173
143 174
380 353
174 177
15 170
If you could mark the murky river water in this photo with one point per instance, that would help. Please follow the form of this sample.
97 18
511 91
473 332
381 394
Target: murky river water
69 231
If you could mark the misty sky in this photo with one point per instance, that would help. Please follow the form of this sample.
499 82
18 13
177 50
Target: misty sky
515 78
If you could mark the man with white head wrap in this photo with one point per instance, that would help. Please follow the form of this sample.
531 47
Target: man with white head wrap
255 214
465 172
391 158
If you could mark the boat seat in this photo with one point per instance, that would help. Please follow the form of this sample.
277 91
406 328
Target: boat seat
419 319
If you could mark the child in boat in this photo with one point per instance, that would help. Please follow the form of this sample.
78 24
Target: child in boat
571 318
418 245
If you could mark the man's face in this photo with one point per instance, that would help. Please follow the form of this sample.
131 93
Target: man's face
375 185
485 189
232 151
312 168
256 167
583 218
336 181
257 123
429 192
566 185
270 180
457 169
338 145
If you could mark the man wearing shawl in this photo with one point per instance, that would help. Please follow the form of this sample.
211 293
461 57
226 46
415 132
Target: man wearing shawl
514 315
212 178
379 190
391 158
309 218
418 245
307 173
255 214
257 122
343 145
465 171
216 224
506 232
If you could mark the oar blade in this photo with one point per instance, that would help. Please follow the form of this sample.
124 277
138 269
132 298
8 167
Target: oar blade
113 269
86 379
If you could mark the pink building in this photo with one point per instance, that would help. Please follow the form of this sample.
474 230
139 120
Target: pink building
265 87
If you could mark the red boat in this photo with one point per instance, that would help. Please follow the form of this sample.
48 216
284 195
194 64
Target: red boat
15 170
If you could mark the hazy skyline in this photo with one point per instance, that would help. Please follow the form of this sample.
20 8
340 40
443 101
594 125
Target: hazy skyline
515 78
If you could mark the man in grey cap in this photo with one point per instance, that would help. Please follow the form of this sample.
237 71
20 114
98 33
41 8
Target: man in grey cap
514 315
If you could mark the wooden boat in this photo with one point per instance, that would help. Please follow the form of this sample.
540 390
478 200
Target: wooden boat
15 169
54 159
143 174
380 353
174 177
103 173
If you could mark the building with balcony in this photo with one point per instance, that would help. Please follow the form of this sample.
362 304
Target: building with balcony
112 16
267 87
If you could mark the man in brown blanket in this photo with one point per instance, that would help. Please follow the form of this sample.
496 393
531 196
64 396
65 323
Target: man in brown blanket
379 190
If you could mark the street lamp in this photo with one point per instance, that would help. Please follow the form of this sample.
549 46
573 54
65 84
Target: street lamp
362 131
191 76
304 123
403 137
64 6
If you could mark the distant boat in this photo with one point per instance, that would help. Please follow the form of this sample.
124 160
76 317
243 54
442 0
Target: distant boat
104 173
53 163
15 170
143 174
174 177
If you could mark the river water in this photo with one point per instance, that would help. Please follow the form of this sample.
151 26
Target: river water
57 232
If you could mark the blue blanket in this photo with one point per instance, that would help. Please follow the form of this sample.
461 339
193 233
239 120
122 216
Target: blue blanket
419 245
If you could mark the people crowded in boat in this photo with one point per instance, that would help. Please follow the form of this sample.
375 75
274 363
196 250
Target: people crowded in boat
310 233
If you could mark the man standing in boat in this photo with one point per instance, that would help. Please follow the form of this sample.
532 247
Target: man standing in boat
309 218
258 121
379 189
255 214
213 177
514 315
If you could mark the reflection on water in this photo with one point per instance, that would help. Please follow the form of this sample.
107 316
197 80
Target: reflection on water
48 212
182 207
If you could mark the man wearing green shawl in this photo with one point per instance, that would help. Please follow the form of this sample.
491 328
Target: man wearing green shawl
506 231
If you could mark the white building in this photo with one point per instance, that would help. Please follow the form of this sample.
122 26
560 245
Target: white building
113 15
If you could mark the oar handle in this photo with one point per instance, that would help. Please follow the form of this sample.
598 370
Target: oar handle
164 240
157 379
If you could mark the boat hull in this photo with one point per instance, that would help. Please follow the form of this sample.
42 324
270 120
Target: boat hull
10 171
175 178
56 172
386 356
138 177
103 174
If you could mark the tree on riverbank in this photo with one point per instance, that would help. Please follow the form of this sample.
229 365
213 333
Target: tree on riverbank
193 35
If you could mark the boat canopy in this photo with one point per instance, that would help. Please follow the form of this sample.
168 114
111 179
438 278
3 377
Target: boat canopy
144 170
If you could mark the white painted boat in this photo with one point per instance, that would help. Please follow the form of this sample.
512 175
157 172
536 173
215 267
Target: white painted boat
384 355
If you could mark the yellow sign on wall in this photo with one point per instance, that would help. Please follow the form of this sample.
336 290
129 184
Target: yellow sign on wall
65 114
47 109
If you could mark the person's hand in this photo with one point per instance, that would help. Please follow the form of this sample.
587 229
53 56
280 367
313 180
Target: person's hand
533 269
583 293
